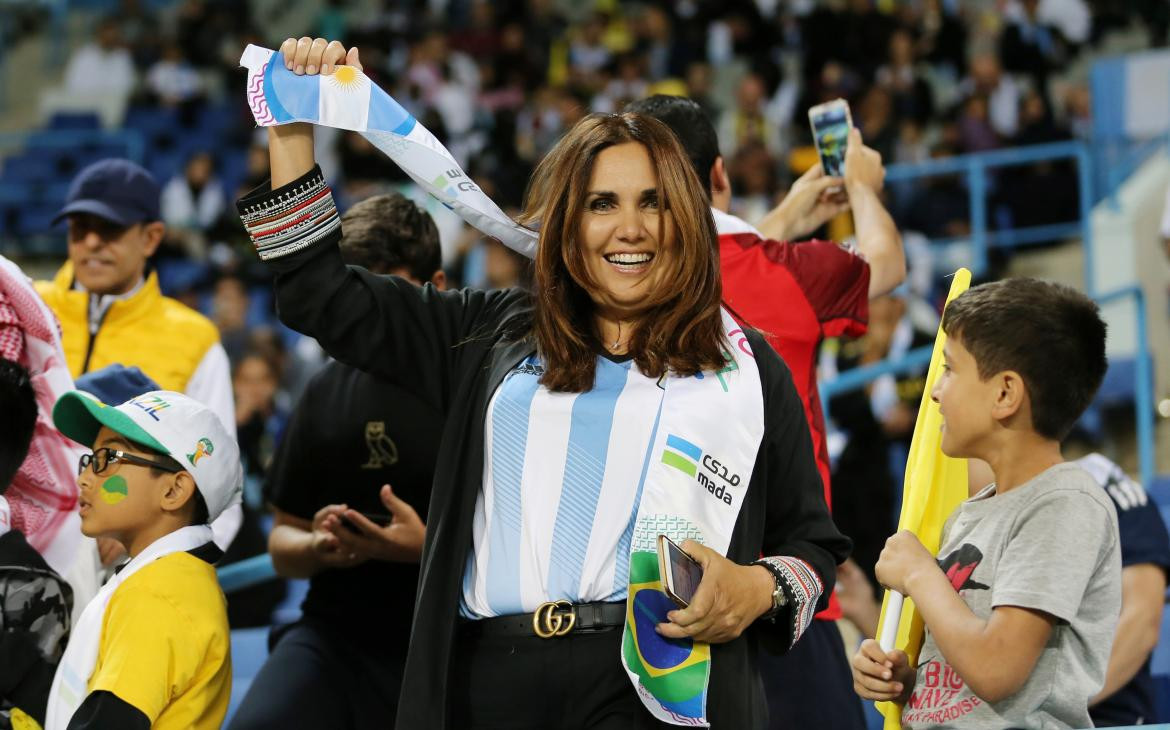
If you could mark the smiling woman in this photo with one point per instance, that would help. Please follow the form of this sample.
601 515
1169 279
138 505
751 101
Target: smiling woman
614 402
627 259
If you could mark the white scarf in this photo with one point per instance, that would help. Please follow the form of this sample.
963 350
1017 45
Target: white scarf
71 682
697 477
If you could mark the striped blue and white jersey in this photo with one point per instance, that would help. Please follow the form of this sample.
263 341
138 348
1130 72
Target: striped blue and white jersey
562 479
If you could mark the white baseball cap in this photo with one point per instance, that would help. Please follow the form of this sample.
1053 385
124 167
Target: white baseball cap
168 422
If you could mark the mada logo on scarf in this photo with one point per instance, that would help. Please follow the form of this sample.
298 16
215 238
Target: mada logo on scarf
687 458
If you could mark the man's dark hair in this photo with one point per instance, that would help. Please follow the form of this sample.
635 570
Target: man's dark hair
389 232
1050 334
18 419
200 515
690 124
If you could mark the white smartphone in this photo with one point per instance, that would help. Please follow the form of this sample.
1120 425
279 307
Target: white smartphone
680 573
830 124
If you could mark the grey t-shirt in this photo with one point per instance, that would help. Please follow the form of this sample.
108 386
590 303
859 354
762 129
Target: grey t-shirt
1050 545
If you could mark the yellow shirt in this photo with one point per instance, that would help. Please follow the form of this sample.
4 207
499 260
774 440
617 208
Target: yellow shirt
165 646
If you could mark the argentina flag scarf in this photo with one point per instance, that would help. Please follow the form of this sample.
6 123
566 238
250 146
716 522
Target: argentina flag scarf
347 99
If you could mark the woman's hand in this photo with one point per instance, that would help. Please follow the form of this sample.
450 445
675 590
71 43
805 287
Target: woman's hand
729 598
316 55
290 146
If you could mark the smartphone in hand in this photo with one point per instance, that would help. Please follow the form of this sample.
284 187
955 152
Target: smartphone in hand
680 573
830 124
379 520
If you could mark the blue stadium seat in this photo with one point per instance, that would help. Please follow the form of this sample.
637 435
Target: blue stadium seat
36 219
1117 391
69 163
260 307
289 610
165 164
176 276
149 119
1120 380
233 167
29 167
87 154
8 215
73 121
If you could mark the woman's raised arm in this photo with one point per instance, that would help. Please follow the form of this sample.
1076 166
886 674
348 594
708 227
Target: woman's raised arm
382 325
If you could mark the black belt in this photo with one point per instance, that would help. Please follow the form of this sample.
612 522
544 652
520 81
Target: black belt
552 619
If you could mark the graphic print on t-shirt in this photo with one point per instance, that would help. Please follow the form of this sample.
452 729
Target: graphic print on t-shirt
935 700
960 566
383 452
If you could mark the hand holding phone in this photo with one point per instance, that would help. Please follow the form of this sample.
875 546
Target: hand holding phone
379 520
831 124
718 598
680 572
396 535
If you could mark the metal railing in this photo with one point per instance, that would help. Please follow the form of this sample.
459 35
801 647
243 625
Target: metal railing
976 166
246 573
1143 395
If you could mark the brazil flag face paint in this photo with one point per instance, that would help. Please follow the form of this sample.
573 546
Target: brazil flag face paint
114 490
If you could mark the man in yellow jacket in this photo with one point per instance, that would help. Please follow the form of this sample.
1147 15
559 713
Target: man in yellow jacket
112 310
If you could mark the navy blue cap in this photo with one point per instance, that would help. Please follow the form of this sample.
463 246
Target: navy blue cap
117 190
116 383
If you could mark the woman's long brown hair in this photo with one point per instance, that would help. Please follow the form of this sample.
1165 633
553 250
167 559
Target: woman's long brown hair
680 330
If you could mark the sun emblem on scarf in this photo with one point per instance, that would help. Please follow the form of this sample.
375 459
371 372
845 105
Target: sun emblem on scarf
347 78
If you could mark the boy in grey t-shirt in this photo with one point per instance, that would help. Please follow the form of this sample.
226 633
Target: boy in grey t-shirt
1022 603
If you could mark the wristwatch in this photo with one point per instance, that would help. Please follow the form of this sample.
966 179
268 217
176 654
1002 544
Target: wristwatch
779 597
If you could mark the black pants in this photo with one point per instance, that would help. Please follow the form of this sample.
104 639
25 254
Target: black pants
324 678
812 686
574 682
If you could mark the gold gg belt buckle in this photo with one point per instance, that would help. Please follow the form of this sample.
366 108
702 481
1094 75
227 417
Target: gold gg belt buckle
553 618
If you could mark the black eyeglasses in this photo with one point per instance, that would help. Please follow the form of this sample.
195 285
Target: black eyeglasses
102 458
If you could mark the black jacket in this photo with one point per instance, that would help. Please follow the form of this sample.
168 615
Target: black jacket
454 349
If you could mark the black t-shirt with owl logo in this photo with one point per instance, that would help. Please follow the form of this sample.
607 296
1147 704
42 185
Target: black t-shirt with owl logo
350 434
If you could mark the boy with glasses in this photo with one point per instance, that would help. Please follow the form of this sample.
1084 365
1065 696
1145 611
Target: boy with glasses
152 649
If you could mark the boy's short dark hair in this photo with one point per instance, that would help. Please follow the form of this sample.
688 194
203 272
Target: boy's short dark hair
1053 336
18 419
200 515
389 232
690 124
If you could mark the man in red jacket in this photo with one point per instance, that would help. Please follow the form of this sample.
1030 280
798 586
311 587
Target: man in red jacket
798 294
